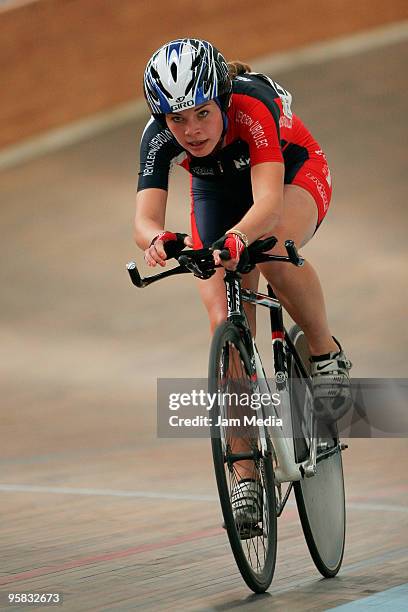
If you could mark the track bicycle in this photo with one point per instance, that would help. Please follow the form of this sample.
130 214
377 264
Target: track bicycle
304 454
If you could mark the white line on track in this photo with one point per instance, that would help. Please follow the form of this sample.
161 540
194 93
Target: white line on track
23 488
345 46
11 5
278 62
106 492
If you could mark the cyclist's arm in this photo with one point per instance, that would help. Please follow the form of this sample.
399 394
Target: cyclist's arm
267 164
150 215
149 222
156 152
267 188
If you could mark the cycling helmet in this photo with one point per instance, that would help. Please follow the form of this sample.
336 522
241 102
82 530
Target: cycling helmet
184 73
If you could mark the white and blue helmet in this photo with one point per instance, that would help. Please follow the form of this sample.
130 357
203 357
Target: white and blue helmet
185 73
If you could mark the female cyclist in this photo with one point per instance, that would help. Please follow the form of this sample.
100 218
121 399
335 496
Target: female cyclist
255 171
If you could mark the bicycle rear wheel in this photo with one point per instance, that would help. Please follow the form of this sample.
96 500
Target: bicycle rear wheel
320 499
241 452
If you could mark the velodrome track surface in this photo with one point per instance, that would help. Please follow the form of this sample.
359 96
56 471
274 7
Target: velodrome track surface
92 503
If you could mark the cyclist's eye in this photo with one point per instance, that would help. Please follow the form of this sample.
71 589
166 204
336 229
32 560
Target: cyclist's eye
202 114
176 119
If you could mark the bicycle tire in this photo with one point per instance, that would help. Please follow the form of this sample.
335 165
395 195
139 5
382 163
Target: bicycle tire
261 544
320 499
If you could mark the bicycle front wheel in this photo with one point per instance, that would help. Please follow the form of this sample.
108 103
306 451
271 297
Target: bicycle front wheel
242 460
320 499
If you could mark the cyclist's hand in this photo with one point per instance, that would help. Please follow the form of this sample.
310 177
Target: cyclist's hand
228 251
164 246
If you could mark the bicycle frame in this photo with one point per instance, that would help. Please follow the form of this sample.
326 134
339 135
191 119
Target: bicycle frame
287 470
200 263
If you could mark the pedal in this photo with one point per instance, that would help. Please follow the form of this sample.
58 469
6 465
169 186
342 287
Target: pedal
246 532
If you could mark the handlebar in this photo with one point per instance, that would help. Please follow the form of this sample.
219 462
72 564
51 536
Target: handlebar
200 262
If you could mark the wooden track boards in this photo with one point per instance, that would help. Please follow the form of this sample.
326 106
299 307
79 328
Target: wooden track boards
81 350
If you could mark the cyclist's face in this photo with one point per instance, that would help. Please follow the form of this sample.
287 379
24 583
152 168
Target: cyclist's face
198 129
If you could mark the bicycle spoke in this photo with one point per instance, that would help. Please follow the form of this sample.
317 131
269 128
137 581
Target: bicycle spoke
244 470
235 379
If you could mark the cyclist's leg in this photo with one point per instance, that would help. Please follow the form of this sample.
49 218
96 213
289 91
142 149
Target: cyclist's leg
300 292
299 289
212 293
215 209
